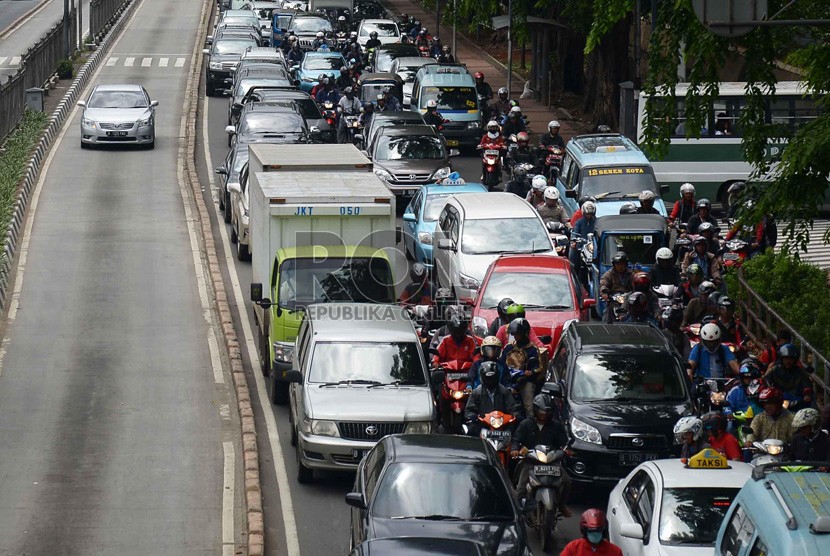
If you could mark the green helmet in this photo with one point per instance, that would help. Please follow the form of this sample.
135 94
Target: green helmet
694 269
514 311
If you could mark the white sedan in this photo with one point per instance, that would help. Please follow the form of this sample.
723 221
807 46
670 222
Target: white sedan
666 507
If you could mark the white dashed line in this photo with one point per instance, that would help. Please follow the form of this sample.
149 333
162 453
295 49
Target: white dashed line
129 62
15 61
145 63
180 62
3 60
163 62
112 61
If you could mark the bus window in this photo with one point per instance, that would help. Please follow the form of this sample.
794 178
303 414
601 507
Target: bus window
727 112
792 112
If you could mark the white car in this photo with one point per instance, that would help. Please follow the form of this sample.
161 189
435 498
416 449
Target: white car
665 507
240 223
118 114
387 30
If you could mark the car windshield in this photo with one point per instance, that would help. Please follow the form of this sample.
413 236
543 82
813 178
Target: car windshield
360 279
532 289
283 20
410 147
367 361
460 491
118 99
250 19
639 247
618 181
239 162
450 98
643 376
382 29
232 46
307 25
308 108
514 235
693 515
323 62
283 122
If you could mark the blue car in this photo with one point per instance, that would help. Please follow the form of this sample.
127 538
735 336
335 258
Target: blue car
421 215
315 63
279 24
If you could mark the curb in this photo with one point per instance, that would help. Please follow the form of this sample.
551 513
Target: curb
56 121
255 529
17 23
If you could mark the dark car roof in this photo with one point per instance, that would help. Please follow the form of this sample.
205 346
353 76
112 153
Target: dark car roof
391 131
436 448
402 116
398 47
419 546
289 94
380 76
630 223
619 335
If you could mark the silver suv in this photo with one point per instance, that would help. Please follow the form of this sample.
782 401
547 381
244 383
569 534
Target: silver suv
358 374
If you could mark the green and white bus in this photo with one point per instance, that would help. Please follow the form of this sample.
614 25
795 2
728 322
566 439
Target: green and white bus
715 160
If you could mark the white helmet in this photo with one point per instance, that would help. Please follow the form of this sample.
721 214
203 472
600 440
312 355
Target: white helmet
589 208
686 424
664 253
493 124
646 196
320 34
539 183
553 123
432 103
515 110
687 188
710 332
551 192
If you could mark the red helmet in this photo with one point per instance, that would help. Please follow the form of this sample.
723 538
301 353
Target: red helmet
478 75
592 520
771 395
641 281
522 137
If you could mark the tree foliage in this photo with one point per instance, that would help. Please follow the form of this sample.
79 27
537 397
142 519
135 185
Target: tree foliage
792 188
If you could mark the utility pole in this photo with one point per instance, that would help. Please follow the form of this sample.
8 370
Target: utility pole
509 47
437 18
454 31
66 50
80 25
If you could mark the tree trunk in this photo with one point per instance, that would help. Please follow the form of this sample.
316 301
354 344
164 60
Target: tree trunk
571 60
606 67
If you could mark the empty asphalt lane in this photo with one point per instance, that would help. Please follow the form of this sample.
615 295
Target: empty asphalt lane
109 412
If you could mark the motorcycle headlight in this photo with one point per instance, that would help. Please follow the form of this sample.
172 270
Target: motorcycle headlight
585 432
88 123
473 125
418 428
425 238
469 282
542 457
324 428
480 326
442 173
383 174
215 65
283 352
457 394
773 449
496 422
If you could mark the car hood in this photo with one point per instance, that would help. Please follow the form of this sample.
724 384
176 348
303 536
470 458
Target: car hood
475 266
657 417
612 206
116 114
412 166
359 403
500 538
666 550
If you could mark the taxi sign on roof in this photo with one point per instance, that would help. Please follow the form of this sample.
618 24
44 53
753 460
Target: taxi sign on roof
708 459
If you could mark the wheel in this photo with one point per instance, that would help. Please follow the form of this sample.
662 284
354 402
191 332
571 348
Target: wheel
209 90
228 212
293 428
84 145
304 474
264 355
279 390
151 145
456 420
490 180
222 199
548 527
242 253
234 237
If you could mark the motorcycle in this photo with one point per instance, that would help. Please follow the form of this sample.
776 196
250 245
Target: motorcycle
352 125
545 472
735 251
453 396
553 156
618 306
710 393
491 164
769 451
668 296
330 113
423 51
560 236
495 429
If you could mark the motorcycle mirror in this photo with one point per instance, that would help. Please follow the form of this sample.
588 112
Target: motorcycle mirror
438 377
554 173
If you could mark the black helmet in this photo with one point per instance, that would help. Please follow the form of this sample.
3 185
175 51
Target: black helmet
619 257
704 203
418 272
520 173
628 208
458 321
636 299
489 373
542 403
713 421
501 308
373 35
726 302
519 326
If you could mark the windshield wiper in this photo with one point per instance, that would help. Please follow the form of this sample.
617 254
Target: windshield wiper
350 382
492 518
433 517
404 382
606 194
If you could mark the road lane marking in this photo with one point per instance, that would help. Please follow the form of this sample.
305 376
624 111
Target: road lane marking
112 61
163 62
228 499
15 61
145 63
129 62
283 486
3 60
180 62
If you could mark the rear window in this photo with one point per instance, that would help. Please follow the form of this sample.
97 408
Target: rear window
693 516
640 248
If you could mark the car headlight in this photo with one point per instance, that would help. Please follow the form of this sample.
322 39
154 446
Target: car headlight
468 282
418 428
88 123
145 122
585 432
324 428
473 125
442 173
383 174
480 326
215 65
425 238
283 352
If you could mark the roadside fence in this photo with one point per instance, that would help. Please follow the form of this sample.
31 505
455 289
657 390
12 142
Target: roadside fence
101 15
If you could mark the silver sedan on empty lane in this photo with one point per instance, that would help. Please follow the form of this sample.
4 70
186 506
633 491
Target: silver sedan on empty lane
118 114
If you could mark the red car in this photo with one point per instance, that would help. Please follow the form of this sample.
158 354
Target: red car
544 284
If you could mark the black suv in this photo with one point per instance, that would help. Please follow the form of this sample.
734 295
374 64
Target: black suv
621 389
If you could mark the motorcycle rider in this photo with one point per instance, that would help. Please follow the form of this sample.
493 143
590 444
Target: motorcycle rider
366 117
552 137
688 433
319 40
436 48
672 318
446 55
685 208
664 271
392 101
458 345
380 104
708 231
518 184
755 235
317 86
502 105
521 153
536 195
744 395
794 382
810 442
490 351
501 316
696 308
693 278
514 124
577 215
344 79
512 312
706 260
295 55
492 139
584 226
732 329
638 311
419 291
349 106
422 39
774 422
342 25
770 353
328 93
714 428
415 29
483 89
594 528
703 214
552 210
710 358
487 397
432 117
373 41
521 355
628 208
618 279
542 429
647 203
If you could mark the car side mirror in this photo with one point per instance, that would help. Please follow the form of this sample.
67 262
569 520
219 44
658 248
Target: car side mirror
235 188
230 130
358 136
154 103
82 103
238 106
229 81
227 93
221 170
552 389
295 67
570 193
356 500
256 292
409 217
589 303
294 376
446 244
632 531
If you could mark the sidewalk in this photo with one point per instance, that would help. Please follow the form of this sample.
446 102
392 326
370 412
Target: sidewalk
495 72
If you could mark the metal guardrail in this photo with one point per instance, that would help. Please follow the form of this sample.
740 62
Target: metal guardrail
36 66
763 322
101 15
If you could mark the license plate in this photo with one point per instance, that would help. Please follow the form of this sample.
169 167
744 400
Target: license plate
551 470
452 142
636 458
359 454
492 152
116 134
497 434
457 376
408 192
730 256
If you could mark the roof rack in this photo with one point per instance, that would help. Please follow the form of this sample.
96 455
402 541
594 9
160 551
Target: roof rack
792 524
760 472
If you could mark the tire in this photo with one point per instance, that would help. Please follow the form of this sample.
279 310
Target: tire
456 420
264 355
228 213
222 199
242 253
209 90
304 474
234 237
548 527
279 390
490 180
84 145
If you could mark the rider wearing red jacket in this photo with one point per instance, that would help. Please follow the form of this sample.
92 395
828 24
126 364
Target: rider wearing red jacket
458 346
492 139
685 207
